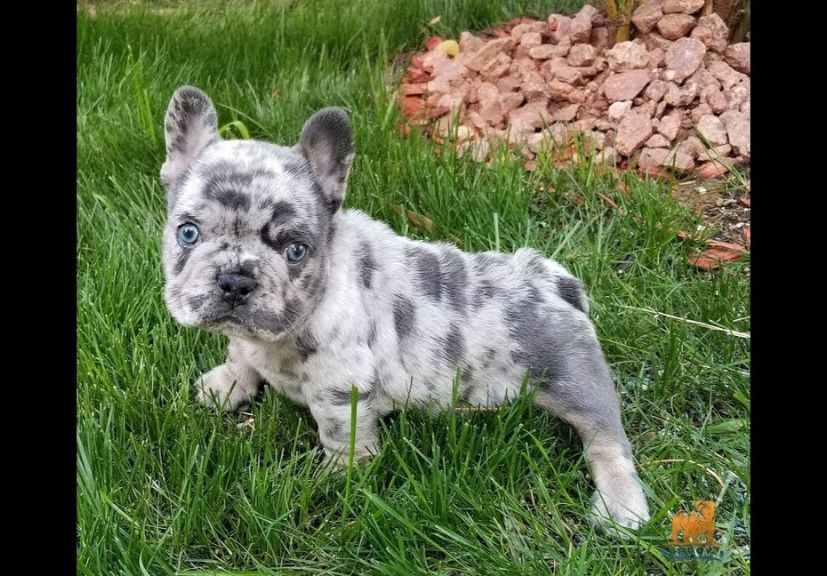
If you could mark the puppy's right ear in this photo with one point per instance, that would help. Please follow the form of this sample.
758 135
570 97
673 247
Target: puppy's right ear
191 123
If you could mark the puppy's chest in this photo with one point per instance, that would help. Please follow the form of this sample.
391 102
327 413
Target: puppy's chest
281 366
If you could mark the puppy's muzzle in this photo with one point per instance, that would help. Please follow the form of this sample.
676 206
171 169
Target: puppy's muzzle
236 288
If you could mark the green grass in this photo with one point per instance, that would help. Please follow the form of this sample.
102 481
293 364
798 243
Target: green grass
165 486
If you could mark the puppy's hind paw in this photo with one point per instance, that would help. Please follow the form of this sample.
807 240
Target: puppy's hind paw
631 512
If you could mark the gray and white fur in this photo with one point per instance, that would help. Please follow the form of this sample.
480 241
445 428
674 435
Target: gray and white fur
316 298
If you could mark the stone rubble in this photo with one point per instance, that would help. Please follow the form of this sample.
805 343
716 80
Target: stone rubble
675 97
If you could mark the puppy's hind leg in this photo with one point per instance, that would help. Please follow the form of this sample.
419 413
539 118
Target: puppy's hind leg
229 385
583 394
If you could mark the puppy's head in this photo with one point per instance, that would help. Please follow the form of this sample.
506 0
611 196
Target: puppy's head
246 243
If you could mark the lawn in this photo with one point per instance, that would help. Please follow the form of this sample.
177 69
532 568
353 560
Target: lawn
166 486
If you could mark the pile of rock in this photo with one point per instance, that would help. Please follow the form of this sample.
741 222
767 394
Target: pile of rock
676 97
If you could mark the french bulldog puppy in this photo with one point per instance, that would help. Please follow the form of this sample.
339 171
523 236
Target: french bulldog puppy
316 299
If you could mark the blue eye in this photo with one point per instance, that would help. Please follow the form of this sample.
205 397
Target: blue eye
296 252
187 234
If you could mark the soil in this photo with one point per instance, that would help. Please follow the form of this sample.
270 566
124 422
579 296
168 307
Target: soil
722 204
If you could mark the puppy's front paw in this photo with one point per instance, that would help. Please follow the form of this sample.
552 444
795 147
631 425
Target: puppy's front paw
627 509
335 461
338 458
220 390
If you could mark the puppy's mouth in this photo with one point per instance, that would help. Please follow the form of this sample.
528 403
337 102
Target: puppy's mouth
249 321
231 319
226 318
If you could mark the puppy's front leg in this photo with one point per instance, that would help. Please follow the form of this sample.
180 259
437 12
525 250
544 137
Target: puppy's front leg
332 411
229 385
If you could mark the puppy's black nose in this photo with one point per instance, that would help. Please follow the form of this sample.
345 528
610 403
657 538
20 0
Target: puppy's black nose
236 288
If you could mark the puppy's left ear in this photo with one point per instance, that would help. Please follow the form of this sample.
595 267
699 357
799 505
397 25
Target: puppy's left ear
327 143
190 125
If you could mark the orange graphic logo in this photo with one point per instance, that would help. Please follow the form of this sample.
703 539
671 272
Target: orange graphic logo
691 526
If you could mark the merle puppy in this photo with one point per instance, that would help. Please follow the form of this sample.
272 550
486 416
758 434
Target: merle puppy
315 299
